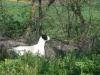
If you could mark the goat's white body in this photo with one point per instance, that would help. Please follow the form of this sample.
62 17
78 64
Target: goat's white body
35 49
21 50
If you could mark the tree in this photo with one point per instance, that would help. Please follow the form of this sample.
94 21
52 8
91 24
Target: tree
32 11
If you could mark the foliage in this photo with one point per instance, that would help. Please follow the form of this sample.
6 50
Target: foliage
55 20
14 18
70 64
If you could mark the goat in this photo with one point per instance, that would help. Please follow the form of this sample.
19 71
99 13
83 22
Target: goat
35 49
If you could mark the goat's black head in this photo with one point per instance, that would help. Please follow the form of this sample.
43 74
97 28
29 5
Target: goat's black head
45 37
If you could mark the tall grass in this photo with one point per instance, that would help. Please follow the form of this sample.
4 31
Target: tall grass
70 64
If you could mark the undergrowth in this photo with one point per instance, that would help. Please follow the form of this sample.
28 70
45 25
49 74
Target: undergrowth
70 64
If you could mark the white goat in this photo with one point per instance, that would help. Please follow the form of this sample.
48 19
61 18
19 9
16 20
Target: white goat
35 49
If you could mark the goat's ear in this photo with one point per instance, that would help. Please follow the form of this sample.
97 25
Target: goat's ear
45 37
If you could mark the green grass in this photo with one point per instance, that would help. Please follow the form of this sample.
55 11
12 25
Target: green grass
54 24
70 64
15 18
20 11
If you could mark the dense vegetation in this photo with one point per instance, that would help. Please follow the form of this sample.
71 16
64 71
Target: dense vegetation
14 18
70 64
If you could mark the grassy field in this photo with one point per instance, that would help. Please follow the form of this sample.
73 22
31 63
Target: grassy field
70 64
54 23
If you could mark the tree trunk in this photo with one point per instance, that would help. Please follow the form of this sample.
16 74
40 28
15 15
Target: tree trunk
39 27
77 11
69 22
29 26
